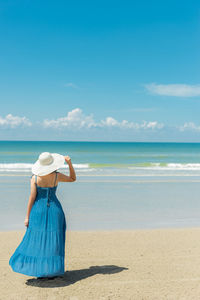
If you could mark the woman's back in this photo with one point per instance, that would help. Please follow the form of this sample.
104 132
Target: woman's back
49 180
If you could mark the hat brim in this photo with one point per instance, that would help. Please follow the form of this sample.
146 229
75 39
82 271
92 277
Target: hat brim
41 170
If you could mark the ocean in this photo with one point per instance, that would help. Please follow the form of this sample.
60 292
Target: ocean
120 185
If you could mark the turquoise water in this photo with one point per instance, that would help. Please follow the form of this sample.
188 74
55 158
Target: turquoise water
109 158
119 185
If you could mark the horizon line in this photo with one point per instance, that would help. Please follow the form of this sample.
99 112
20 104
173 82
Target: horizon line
69 141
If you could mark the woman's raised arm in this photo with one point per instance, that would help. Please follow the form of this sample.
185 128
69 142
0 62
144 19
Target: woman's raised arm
72 175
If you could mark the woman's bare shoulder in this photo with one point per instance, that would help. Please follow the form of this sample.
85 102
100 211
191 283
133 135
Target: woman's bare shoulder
32 180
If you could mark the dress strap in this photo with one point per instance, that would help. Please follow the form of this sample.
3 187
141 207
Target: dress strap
36 179
55 179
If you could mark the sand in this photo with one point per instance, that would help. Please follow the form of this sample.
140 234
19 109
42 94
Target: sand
102 265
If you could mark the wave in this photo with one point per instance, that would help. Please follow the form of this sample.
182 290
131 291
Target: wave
151 166
167 166
26 167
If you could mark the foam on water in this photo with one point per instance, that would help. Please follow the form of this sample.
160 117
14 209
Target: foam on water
167 166
26 167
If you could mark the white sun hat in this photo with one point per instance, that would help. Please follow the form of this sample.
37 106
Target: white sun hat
47 163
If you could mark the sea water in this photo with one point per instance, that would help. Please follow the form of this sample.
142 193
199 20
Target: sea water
120 185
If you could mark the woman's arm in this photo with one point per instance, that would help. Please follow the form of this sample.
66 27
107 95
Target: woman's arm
71 168
31 199
72 175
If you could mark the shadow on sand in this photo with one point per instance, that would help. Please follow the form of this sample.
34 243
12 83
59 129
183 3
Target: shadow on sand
71 277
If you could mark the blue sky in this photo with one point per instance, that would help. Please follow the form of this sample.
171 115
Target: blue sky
100 70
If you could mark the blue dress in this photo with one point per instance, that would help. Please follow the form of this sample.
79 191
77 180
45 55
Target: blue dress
41 252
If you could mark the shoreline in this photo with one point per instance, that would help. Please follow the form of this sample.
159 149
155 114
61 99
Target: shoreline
116 230
102 203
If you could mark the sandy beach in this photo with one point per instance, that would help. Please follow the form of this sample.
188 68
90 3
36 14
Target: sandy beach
102 265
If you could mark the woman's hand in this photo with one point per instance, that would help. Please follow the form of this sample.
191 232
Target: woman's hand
26 221
67 159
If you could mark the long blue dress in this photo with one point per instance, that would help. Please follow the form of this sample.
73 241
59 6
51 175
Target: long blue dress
41 252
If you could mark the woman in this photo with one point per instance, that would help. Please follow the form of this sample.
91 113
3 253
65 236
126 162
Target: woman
41 252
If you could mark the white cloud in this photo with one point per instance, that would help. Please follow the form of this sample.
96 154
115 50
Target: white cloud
77 120
152 125
189 126
74 119
177 90
71 84
14 121
137 109
111 122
